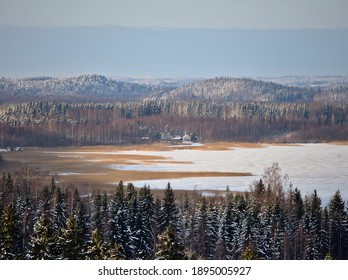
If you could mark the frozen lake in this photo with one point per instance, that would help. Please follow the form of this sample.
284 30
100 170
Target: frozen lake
323 167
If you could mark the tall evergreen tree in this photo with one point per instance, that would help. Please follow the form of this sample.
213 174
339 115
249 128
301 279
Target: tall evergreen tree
119 227
201 229
313 228
264 241
213 230
58 210
157 218
294 212
169 213
10 245
336 213
144 234
187 223
169 247
43 243
82 219
70 242
97 248
97 212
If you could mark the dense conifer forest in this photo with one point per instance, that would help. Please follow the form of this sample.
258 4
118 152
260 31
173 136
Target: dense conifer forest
93 109
49 123
272 221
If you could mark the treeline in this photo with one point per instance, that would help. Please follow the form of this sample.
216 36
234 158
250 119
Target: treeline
244 90
83 85
267 222
218 89
45 123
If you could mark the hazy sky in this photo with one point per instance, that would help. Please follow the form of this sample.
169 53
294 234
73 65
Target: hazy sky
251 14
209 38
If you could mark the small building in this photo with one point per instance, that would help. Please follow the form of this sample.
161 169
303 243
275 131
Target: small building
177 138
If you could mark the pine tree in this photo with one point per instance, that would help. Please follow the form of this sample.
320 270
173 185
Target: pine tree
228 233
58 211
43 241
258 192
313 228
213 228
97 248
294 212
132 209
264 242
144 234
97 212
337 213
11 246
82 218
70 242
249 254
326 233
188 219
157 218
7 190
119 225
168 247
277 240
201 229
241 224
169 213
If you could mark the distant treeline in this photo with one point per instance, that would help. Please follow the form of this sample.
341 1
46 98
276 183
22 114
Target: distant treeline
271 221
46 123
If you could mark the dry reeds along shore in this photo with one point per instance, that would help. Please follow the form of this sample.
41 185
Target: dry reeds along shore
89 165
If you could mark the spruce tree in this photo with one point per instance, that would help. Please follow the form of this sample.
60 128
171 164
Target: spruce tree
10 245
169 247
97 248
188 221
144 240
201 229
119 224
169 213
157 218
337 213
213 227
97 212
70 242
58 211
264 242
43 243
313 228
82 219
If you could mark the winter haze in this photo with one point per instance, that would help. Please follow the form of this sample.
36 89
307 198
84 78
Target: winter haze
163 38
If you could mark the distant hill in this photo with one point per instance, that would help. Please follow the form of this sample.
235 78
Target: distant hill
98 88
241 90
90 86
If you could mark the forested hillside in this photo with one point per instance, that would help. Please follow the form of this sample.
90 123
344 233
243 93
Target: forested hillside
241 90
91 109
271 221
56 123
217 89
90 86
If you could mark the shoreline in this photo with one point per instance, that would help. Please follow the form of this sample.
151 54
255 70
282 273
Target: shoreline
91 165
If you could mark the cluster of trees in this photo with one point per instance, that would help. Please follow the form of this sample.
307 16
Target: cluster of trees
218 89
83 85
242 90
46 123
267 222
93 109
